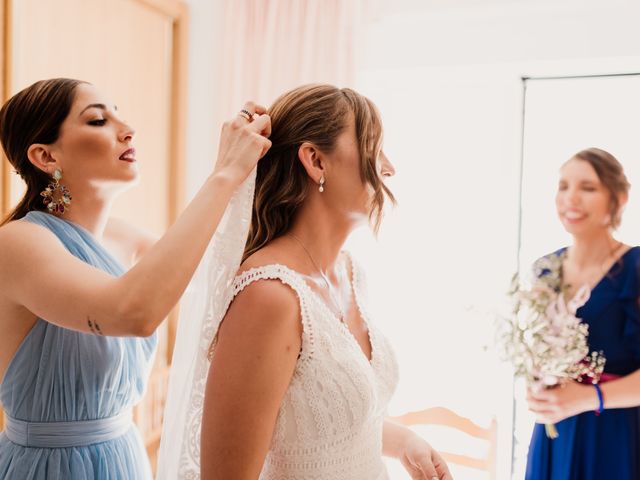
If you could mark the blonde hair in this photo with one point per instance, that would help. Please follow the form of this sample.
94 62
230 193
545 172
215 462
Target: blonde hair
317 114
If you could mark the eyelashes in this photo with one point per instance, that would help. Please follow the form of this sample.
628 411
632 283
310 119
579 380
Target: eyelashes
98 122
585 188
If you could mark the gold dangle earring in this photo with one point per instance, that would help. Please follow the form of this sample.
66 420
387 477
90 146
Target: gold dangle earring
321 188
64 200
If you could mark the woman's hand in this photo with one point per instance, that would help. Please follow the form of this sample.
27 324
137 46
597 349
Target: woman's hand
421 461
242 143
416 455
552 405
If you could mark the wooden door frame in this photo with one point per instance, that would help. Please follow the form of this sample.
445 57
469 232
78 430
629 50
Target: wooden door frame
5 90
178 11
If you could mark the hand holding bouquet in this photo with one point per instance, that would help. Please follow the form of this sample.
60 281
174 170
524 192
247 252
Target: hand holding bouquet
542 337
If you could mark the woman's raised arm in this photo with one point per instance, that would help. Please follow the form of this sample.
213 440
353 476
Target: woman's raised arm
38 273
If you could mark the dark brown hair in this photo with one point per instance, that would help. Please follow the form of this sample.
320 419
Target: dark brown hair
34 115
611 175
317 114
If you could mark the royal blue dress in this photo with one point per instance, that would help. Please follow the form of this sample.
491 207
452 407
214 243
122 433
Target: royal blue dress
68 395
604 447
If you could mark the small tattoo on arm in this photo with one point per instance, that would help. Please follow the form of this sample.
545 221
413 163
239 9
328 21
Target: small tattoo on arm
94 327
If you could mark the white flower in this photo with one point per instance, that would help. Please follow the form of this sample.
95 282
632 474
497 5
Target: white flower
543 338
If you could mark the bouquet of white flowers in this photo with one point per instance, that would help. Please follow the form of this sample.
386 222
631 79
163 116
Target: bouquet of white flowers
542 337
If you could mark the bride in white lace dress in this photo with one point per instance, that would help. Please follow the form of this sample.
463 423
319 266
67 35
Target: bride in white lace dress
300 377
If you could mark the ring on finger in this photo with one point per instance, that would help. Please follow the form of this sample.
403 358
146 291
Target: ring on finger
246 114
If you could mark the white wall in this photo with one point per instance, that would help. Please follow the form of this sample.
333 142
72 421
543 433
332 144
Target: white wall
463 32
447 77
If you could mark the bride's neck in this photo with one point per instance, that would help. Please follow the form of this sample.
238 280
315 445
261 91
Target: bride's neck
322 234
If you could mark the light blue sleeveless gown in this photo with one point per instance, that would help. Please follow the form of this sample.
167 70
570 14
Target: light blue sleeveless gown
68 395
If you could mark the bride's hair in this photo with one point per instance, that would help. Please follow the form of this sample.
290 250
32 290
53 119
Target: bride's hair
317 114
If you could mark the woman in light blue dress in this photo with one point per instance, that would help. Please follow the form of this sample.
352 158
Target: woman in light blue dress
82 295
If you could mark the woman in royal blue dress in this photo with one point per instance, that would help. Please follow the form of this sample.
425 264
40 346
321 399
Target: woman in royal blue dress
599 426
81 295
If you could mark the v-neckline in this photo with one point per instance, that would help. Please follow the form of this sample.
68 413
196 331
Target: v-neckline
606 275
343 325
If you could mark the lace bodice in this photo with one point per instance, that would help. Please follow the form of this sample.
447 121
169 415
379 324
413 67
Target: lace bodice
330 421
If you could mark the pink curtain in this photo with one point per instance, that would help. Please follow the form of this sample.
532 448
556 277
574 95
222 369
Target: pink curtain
271 46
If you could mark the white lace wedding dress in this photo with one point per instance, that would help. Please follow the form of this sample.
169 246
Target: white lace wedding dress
329 425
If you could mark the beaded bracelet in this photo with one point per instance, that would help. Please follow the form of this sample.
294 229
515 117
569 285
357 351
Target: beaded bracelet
600 399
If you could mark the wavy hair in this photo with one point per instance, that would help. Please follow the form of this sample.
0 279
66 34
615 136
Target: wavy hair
317 114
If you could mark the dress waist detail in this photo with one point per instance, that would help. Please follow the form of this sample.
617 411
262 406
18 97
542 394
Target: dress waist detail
67 434
607 377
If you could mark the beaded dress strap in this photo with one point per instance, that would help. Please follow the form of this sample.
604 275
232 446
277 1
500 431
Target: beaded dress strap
295 281
270 272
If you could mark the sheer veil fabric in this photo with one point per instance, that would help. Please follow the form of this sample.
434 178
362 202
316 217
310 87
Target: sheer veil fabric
201 310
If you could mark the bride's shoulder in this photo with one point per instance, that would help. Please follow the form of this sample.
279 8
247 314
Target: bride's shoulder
266 291
265 257
268 269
